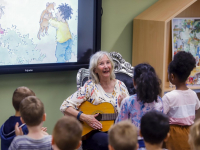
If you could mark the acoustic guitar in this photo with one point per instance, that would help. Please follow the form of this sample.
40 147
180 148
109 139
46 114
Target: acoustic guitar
106 115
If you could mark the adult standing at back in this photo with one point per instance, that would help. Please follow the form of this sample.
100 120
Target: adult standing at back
103 87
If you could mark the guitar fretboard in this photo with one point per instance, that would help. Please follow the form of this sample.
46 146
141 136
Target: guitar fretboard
109 116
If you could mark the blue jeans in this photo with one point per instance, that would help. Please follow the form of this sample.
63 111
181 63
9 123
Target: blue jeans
63 51
97 141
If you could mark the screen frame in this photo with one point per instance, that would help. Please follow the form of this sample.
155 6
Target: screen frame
84 63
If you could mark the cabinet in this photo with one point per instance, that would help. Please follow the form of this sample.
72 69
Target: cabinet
152 39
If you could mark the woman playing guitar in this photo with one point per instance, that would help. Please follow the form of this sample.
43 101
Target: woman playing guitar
103 87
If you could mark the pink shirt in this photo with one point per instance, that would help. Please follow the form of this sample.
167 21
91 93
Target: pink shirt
180 106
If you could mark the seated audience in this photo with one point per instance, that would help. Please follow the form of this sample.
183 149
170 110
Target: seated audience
67 134
147 85
7 131
33 114
181 103
154 129
123 136
194 135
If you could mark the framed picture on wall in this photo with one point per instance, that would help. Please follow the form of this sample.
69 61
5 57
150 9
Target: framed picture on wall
186 37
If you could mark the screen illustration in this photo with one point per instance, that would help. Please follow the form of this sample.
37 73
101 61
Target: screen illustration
38 32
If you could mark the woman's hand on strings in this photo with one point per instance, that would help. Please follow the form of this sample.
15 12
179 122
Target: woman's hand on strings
93 122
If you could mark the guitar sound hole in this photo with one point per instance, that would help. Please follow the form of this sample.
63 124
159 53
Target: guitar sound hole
99 117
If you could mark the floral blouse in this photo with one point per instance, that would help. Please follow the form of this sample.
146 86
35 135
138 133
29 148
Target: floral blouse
133 109
95 94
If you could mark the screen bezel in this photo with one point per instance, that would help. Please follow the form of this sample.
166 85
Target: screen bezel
89 42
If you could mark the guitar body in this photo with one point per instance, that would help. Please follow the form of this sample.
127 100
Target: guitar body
103 108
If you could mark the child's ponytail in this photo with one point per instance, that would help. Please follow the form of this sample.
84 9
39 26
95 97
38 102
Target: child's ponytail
147 83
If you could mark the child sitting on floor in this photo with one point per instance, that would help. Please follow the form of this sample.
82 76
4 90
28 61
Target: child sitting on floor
7 131
181 103
123 136
67 134
33 114
194 135
154 129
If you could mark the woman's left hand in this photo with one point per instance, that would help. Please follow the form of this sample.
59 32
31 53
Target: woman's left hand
120 98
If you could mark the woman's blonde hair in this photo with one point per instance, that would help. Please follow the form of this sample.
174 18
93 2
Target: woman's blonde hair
194 135
94 62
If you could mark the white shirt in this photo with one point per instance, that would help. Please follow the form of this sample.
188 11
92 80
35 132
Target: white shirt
180 106
95 94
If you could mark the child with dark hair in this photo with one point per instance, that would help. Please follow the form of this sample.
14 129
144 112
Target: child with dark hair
7 131
67 134
181 103
154 129
63 34
33 114
147 85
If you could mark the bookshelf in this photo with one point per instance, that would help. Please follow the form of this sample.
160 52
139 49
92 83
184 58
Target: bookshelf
152 40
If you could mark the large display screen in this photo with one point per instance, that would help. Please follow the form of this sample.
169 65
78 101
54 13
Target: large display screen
40 35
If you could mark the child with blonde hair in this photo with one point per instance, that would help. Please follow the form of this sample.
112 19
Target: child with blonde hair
123 136
194 135
67 134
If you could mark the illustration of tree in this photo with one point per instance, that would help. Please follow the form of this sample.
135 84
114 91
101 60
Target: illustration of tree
18 49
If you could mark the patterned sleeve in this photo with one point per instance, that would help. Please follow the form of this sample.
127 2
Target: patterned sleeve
124 88
76 99
166 104
123 113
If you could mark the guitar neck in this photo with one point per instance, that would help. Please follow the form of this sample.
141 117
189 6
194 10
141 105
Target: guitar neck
111 116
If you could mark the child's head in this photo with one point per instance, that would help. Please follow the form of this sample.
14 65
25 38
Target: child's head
65 11
194 135
154 127
32 111
123 136
181 66
67 133
19 94
146 83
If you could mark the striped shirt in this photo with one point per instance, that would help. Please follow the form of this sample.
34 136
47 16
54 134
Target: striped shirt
26 143
180 106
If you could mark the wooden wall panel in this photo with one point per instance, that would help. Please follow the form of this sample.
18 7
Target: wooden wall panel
168 53
148 44
165 10
192 11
